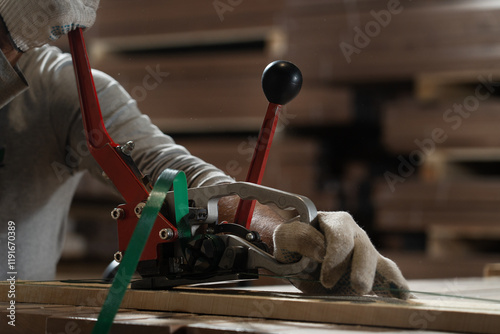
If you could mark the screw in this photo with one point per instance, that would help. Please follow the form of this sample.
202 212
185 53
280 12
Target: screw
117 213
166 233
250 236
118 256
138 209
128 147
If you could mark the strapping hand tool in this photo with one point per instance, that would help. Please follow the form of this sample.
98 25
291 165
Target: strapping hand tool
197 248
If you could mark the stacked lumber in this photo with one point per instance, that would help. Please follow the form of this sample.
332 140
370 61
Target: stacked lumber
375 40
215 91
461 241
410 125
131 17
415 206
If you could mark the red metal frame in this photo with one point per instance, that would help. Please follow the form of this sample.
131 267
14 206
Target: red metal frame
107 154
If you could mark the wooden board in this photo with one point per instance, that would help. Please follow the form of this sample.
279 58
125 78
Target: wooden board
415 205
477 317
420 36
492 269
448 241
455 163
408 125
131 17
47 318
441 85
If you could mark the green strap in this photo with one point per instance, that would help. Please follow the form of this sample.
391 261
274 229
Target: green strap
139 238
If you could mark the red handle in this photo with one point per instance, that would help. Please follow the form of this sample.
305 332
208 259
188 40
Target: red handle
117 166
257 167
96 133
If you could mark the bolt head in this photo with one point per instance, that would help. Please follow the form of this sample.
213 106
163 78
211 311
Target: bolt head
250 236
138 209
166 233
118 256
118 213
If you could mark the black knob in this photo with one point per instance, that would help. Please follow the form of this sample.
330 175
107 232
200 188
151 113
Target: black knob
281 81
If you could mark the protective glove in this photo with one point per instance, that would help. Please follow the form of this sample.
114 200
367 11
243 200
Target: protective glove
346 261
33 23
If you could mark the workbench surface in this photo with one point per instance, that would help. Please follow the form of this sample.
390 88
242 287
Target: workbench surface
443 306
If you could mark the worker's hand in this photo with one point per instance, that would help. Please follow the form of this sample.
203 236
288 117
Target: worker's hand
33 23
347 261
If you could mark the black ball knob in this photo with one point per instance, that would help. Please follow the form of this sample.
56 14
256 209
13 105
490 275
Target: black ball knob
281 81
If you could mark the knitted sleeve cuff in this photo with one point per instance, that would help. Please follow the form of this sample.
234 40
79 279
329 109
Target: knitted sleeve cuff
12 81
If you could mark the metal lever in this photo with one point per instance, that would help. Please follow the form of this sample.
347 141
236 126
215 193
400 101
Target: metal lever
258 259
208 197
281 82
117 165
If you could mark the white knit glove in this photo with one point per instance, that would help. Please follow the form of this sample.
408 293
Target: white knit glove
350 264
33 23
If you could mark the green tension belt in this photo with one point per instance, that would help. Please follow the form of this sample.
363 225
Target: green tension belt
139 238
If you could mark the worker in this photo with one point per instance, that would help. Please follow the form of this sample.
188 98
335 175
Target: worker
44 156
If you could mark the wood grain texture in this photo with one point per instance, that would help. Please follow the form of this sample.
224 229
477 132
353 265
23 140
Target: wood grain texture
79 319
416 314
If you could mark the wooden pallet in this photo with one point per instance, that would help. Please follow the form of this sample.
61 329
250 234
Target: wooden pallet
477 317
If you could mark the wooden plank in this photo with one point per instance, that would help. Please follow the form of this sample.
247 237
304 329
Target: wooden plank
414 205
49 318
416 265
491 270
130 17
79 320
448 241
372 311
406 122
440 85
422 36
216 91
32 318
453 163
440 192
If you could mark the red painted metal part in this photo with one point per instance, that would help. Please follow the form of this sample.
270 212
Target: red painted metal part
259 160
107 154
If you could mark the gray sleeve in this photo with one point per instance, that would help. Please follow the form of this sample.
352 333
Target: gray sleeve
12 81
154 151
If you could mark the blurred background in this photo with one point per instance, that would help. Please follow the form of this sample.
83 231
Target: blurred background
397 121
